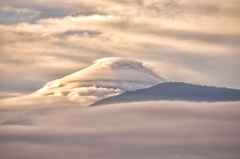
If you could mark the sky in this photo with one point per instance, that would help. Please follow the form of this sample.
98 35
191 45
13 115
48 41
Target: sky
184 40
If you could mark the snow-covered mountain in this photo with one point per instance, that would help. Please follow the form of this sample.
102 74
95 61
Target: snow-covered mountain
106 77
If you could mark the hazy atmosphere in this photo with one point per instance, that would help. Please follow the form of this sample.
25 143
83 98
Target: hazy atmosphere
184 40
129 79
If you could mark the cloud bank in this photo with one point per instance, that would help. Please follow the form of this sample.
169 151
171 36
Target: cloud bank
167 130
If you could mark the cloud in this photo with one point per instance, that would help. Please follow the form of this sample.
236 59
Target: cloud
181 39
4 95
106 77
176 130
11 14
187 41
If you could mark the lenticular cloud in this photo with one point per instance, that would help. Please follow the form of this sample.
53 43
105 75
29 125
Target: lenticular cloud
106 77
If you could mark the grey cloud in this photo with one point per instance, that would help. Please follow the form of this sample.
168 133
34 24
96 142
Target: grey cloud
4 95
42 11
17 121
88 33
133 2
11 15
74 9
22 84
163 8
207 67
176 8
7 59
63 9
230 40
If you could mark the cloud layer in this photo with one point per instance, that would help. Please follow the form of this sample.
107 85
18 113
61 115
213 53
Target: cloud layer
169 130
196 42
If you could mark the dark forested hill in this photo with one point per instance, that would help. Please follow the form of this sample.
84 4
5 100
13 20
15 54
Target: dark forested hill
175 91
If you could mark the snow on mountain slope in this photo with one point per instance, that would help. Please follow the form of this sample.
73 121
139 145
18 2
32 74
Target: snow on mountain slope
106 77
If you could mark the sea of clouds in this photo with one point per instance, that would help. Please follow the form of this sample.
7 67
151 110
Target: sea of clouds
34 128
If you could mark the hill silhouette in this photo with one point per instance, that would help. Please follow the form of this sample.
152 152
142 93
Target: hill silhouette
175 91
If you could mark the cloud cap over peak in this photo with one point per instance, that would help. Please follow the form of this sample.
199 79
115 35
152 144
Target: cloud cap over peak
106 77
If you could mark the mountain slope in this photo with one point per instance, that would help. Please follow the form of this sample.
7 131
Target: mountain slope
175 91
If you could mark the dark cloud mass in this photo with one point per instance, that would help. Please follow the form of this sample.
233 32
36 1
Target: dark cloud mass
167 130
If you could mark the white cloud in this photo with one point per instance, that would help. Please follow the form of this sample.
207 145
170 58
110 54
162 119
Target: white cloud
105 78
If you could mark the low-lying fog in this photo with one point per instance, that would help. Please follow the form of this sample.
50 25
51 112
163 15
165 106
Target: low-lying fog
144 130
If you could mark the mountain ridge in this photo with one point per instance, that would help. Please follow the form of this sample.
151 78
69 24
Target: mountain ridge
175 91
